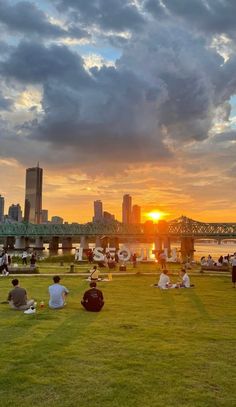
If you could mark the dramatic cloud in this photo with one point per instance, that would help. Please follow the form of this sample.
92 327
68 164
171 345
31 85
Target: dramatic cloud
117 15
211 16
24 17
134 110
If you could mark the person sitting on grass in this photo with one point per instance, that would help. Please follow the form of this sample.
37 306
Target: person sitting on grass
93 299
164 281
57 294
17 297
185 283
94 273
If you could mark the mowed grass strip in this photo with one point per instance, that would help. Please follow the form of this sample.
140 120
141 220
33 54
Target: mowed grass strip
146 348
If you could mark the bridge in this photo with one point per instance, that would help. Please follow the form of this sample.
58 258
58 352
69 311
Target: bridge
16 235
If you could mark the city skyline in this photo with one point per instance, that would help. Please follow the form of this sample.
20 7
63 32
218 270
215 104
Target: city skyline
153 211
137 98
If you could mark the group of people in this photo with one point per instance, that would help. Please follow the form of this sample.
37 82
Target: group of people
32 259
5 261
222 260
17 297
164 281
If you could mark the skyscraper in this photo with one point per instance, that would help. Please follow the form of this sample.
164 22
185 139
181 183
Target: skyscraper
33 195
15 212
136 214
126 208
1 208
98 211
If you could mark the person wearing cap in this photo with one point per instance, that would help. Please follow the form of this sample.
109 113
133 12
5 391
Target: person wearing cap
17 297
57 294
93 298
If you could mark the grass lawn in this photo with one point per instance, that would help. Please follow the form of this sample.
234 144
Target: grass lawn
146 348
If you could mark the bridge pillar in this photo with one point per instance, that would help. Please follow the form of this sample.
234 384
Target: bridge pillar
187 248
39 243
9 242
166 243
20 243
98 242
67 244
158 244
84 242
104 242
114 242
54 244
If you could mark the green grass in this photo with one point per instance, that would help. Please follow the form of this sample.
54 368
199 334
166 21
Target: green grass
53 267
146 348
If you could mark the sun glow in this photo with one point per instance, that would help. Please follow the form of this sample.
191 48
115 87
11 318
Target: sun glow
155 215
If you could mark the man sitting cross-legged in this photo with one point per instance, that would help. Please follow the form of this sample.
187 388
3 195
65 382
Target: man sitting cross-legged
185 283
164 281
93 299
17 297
57 293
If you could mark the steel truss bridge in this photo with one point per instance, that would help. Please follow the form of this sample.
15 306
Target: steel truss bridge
178 228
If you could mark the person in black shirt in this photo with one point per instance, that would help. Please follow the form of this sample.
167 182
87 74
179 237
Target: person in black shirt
93 299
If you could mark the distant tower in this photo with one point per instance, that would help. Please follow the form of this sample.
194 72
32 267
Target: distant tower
1 208
136 214
126 209
33 195
15 213
98 211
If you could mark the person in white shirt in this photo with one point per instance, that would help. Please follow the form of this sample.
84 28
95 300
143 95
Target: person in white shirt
185 283
164 280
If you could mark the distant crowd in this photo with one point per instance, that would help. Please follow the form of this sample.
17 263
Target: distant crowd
222 260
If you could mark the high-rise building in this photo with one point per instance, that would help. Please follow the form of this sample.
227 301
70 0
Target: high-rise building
136 214
126 208
1 208
98 211
57 220
44 218
15 213
33 195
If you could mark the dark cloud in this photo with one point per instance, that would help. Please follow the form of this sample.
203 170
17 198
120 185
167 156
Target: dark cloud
26 18
4 48
5 102
115 15
226 136
211 16
32 62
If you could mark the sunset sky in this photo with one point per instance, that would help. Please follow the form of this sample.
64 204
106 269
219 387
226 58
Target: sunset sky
120 96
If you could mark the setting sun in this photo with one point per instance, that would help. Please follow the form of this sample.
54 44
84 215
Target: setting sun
155 215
